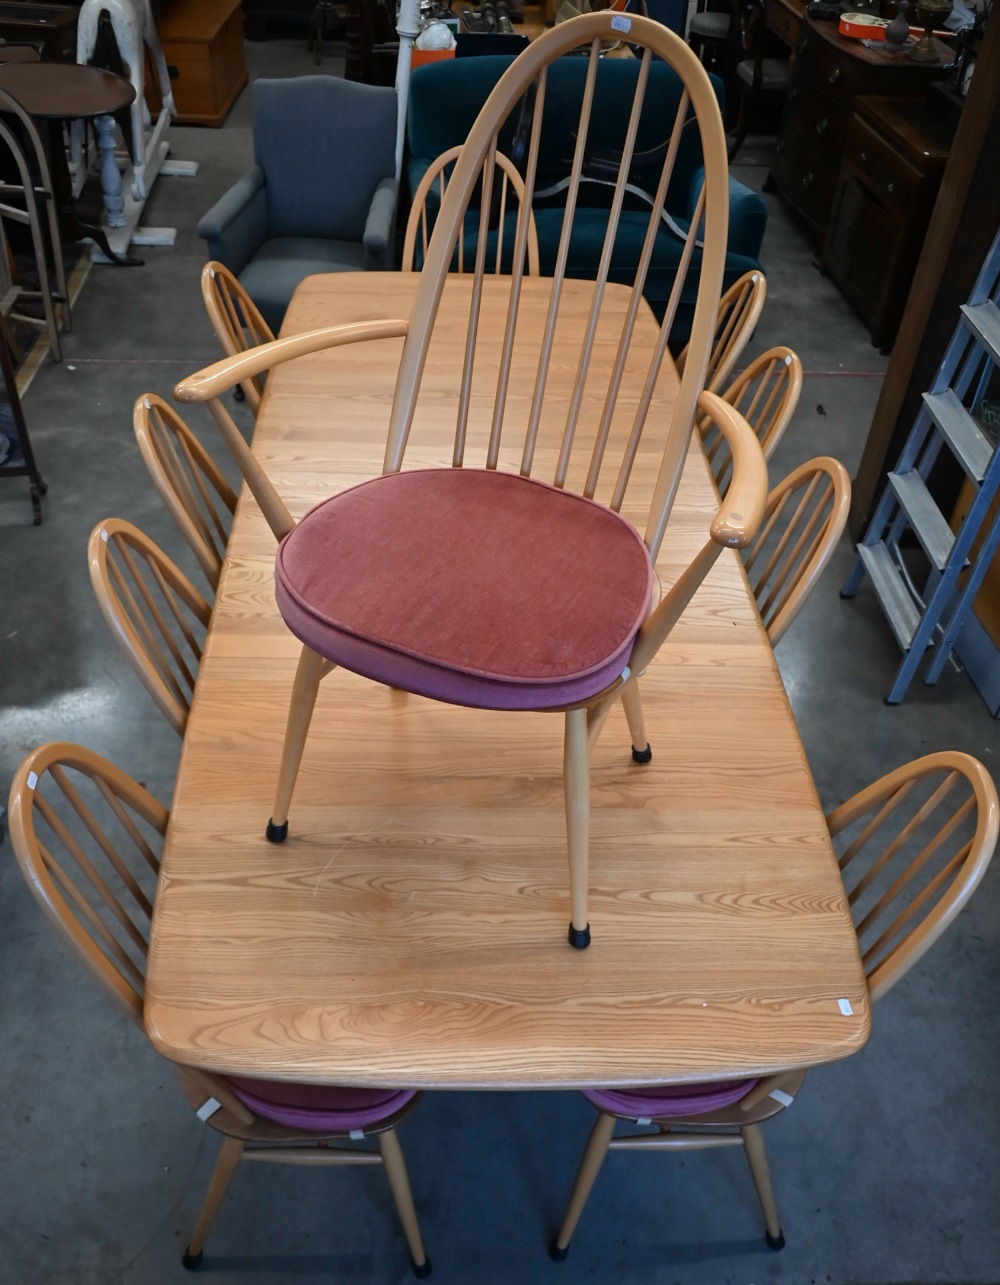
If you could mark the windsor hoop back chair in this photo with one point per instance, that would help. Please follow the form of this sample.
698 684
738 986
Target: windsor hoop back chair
767 395
236 320
739 311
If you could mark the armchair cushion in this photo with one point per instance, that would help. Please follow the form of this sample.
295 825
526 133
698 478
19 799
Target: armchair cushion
322 1108
270 278
669 1101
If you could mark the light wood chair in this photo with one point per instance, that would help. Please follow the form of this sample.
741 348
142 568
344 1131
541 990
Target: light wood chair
157 616
501 198
767 395
599 664
739 311
197 496
805 517
236 320
914 847
87 838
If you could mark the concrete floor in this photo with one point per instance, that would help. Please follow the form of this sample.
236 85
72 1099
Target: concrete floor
886 1166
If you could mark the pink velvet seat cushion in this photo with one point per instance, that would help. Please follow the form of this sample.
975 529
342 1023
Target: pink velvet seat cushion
468 585
321 1108
669 1101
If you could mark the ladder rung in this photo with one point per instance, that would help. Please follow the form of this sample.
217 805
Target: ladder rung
967 441
897 603
925 517
983 319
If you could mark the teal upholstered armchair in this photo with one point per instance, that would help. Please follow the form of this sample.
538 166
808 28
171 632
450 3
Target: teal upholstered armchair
321 195
445 98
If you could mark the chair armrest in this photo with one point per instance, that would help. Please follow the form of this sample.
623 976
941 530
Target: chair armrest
236 225
747 215
380 225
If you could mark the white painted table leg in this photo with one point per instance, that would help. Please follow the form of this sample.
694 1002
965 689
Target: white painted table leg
111 179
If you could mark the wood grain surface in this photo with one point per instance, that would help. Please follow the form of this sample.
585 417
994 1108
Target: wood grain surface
411 931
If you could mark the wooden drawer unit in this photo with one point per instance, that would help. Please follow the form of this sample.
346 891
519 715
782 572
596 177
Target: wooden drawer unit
895 155
829 74
784 18
203 45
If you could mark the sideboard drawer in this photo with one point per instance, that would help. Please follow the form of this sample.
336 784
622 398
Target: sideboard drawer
806 179
823 123
891 178
785 24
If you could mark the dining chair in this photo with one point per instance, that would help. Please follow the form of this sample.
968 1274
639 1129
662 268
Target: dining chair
805 517
913 848
197 496
755 74
767 395
395 604
157 616
739 311
87 838
502 197
236 320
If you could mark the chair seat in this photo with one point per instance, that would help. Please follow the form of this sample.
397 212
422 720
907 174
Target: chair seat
322 1108
710 26
469 586
773 73
669 1101
271 276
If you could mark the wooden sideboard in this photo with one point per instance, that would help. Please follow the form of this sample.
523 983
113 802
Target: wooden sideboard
830 72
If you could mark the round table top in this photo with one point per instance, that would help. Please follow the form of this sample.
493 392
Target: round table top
65 90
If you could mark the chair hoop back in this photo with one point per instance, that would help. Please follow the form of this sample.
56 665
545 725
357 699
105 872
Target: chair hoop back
920 841
236 320
505 195
805 517
767 395
739 311
697 115
196 495
157 616
87 839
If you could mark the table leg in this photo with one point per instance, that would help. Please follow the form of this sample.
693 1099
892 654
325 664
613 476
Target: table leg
111 186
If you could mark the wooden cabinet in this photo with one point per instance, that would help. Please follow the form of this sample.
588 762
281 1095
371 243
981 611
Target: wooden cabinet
894 157
203 44
829 74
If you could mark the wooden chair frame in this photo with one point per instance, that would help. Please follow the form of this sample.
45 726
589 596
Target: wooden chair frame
417 222
154 627
794 547
740 511
895 947
739 311
113 950
188 480
236 320
767 395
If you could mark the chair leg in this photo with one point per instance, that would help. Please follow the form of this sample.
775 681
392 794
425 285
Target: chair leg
753 1145
576 783
311 669
632 701
742 122
222 1176
399 1185
593 1157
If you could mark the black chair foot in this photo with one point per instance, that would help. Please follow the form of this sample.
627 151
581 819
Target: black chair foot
774 1242
276 833
556 1254
642 756
191 1261
420 1270
579 938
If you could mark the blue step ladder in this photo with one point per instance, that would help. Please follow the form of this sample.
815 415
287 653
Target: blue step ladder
927 606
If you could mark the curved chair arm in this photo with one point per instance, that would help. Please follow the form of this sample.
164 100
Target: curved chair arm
208 386
735 524
218 378
380 224
236 225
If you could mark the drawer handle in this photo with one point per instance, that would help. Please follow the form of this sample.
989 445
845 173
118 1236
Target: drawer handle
890 187
864 157
822 125
808 179
793 93
834 76
780 146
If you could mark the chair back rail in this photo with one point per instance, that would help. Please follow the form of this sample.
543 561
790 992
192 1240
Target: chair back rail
236 320
915 846
739 311
157 616
767 395
189 482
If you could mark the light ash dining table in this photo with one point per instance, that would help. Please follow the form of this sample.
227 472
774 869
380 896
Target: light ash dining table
411 931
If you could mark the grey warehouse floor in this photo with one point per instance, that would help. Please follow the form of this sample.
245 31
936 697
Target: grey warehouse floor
886 1167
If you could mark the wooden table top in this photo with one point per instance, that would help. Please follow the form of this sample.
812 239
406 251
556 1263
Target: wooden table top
65 90
411 931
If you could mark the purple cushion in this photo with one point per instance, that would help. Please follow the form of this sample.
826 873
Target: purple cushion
322 1108
468 585
669 1101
